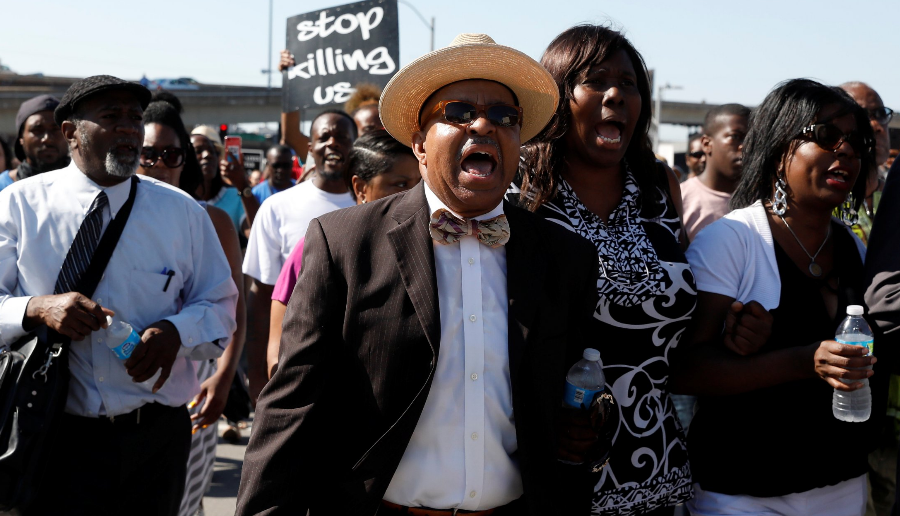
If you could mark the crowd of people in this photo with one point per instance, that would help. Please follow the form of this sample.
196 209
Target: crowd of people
410 300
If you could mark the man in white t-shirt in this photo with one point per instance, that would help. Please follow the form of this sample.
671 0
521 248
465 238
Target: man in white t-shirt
282 221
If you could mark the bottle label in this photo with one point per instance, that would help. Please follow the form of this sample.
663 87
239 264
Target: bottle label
579 398
124 349
867 343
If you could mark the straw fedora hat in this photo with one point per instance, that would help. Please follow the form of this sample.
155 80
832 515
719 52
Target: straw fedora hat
469 56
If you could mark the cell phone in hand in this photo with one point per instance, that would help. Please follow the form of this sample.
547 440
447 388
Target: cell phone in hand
233 147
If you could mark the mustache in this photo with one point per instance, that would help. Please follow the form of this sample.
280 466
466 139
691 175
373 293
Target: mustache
134 142
479 140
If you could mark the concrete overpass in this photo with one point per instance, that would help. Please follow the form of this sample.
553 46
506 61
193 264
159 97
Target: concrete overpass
210 104
223 104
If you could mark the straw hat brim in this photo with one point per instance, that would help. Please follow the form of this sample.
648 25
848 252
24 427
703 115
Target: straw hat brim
407 91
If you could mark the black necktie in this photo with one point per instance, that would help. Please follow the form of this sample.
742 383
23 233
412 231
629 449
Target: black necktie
83 247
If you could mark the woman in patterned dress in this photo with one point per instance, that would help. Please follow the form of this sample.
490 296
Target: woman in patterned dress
593 172
167 155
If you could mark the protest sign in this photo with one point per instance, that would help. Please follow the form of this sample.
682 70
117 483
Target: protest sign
337 48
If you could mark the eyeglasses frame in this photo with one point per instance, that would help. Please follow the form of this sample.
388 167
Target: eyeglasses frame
479 109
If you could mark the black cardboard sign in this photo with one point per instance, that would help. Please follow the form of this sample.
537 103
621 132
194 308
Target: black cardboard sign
337 48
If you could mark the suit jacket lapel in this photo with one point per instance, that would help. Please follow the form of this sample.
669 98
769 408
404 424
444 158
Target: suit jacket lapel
525 268
415 259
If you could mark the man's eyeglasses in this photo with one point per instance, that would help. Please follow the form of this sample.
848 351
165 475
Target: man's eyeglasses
461 112
171 157
830 137
881 115
697 154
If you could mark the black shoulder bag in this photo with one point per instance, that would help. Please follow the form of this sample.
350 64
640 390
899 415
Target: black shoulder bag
34 384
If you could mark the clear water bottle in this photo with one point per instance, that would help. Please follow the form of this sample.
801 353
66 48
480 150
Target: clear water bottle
121 338
855 406
584 381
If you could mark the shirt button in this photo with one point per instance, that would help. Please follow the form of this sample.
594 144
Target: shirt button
99 300
474 436
190 340
100 341
472 494
101 378
471 261
472 318
474 376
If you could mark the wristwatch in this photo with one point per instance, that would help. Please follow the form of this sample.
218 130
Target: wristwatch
247 192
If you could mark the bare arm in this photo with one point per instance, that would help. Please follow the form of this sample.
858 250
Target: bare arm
290 122
234 174
709 368
259 303
215 389
275 320
675 190
291 135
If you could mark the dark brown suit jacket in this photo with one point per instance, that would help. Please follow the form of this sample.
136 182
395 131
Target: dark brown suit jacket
360 344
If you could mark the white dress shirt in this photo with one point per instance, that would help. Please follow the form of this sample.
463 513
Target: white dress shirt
166 230
281 222
462 452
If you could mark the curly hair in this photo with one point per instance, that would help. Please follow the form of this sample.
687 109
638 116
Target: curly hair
366 94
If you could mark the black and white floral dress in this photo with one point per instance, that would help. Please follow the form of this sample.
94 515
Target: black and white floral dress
647 294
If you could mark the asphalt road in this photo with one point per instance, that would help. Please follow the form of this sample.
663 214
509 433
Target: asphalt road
221 497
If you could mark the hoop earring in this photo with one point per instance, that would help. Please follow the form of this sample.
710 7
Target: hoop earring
779 203
849 215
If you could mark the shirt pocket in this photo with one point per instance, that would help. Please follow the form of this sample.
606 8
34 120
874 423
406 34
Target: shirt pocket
152 297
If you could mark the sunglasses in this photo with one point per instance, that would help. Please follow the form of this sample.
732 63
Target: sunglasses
464 113
881 115
171 157
830 137
696 155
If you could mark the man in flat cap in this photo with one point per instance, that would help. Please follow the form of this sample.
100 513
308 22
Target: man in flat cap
40 145
124 439
425 347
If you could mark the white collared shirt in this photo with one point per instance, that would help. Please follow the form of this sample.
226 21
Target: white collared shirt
461 454
166 230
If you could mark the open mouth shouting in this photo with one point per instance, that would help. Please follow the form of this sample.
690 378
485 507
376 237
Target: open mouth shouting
479 159
609 132
839 178
333 159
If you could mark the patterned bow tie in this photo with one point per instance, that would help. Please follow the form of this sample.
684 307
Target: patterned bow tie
447 229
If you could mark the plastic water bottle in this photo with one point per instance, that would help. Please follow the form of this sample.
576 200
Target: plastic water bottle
855 406
121 338
584 381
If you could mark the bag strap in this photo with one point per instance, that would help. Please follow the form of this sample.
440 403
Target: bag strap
88 282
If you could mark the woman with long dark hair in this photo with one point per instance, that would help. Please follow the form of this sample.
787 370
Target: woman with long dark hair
167 155
764 439
592 171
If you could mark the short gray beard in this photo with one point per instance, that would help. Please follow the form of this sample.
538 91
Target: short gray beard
113 166
117 168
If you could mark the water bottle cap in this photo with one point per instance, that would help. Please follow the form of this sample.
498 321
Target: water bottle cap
109 320
854 310
591 354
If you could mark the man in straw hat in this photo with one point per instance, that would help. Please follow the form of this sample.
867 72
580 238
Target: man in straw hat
425 347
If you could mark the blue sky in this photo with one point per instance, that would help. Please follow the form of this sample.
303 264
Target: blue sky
716 51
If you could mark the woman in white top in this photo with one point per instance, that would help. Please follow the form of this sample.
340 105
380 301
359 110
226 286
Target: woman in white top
764 440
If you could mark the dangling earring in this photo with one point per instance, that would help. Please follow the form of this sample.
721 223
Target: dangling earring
779 203
849 215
